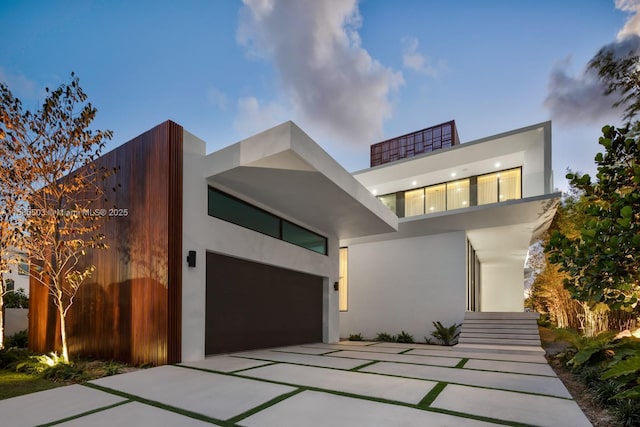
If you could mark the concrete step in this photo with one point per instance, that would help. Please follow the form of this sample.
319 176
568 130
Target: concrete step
500 349
500 316
493 341
500 331
498 325
464 336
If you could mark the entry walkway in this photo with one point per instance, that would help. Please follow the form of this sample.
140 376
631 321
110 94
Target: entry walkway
345 384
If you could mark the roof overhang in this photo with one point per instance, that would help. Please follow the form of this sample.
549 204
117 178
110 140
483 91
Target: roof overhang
283 170
495 230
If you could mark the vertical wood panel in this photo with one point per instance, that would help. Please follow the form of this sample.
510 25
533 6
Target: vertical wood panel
129 309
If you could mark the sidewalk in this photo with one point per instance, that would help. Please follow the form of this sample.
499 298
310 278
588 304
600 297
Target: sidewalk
345 384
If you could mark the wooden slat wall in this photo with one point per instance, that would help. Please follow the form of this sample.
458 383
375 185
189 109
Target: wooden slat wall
130 309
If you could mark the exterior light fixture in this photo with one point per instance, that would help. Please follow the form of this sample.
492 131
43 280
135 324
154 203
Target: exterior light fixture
453 174
413 183
374 192
497 164
191 259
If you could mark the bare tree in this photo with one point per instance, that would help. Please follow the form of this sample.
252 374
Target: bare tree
54 153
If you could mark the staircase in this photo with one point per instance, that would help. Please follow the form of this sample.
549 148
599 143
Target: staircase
500 331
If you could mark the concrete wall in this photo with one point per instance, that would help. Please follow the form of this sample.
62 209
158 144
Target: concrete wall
203 233
405 284
16 320
502 286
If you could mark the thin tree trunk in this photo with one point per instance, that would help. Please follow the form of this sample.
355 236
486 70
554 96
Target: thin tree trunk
2 315
63 334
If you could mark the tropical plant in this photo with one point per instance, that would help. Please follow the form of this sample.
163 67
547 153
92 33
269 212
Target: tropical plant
385 337
602 262
447 335
405 337
355 337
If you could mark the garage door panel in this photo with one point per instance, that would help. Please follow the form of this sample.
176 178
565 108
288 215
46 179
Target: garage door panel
252 305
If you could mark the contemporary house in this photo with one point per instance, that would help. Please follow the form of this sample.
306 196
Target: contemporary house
467 215
271 242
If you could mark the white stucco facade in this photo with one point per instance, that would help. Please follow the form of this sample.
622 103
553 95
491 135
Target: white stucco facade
418 274
269 171
404 284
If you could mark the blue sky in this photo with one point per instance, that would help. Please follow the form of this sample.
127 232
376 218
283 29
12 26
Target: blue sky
349 73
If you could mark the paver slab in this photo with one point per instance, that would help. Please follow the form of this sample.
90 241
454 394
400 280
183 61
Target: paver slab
402 358
214 395
225 363
398 389
304 350
517 382
515 367
356 343
53 405
302 359
531 358
316 409
375 349
400 345
135 414
510 406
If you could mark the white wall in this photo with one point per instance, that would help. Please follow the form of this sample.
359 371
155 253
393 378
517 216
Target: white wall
502 286
203 233
16 320
405 284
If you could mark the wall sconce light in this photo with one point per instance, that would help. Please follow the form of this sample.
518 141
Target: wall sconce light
191 259
336 286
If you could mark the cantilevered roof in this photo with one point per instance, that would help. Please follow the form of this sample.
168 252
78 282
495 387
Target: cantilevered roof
284 171
496 230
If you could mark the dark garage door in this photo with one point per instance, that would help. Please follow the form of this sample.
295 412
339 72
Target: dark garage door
252 305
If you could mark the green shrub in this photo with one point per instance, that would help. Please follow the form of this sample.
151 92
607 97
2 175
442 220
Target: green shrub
604 391
405 337
16 299
355 337
627 413
446 335
544 321
19 340
10 356
385 337
64 372
36 364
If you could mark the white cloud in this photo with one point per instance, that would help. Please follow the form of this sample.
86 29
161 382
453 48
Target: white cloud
577 98
217 98
329 81
632 26
418 62
580 98
254 116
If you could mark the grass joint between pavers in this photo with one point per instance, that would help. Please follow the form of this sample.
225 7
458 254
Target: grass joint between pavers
364 365
84 414
428 399
461 363
265 405
159 405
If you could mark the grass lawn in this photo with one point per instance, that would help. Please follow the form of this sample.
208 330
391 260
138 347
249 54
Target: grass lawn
14 384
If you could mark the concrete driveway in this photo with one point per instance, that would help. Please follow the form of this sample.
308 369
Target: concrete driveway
346 384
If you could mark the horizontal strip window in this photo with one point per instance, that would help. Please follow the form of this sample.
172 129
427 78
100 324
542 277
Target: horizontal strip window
472 191
231 209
